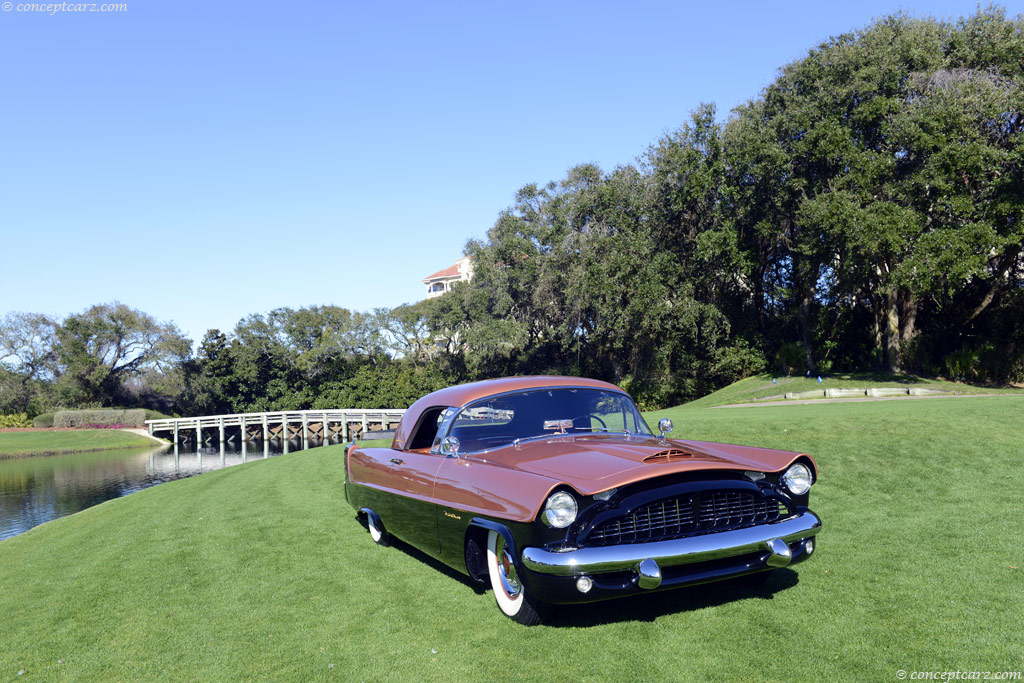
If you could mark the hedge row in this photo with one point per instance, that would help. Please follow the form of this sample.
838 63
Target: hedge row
44 420
80 418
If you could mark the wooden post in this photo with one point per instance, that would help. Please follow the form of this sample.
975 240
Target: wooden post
241 428
284 430
305 431
364 425
199 437
344 427
222 433
325 432
175 433
265 435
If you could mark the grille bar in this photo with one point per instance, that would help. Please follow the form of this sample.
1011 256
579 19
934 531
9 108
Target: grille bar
688 516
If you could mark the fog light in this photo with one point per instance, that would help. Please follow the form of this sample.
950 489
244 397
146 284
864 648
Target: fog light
809 546
584 584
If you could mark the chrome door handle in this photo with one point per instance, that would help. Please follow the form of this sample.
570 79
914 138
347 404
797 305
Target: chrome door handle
398 461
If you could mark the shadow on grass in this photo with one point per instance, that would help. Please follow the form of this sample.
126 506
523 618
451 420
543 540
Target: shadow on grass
651 606
437 565
643 607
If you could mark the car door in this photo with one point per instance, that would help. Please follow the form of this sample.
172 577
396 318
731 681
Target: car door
403 484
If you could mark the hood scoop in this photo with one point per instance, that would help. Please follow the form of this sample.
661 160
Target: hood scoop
670 455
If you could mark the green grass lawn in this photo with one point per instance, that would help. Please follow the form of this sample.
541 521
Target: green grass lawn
70 441
262 571
760 386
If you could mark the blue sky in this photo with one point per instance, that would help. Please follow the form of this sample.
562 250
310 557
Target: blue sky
202 161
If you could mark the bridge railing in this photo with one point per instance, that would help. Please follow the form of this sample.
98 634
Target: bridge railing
343 417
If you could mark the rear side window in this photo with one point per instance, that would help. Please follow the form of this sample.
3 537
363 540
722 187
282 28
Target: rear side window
426 428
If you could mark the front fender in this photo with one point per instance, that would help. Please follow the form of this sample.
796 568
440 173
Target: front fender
489 490
506 534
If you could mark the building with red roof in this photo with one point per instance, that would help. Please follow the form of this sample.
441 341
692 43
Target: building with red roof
442 281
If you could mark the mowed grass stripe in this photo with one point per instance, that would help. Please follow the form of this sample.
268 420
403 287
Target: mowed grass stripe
262 571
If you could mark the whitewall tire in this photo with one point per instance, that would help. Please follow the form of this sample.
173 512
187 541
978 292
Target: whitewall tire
509 592
378 534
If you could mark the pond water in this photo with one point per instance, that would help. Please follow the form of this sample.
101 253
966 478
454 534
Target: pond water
39 488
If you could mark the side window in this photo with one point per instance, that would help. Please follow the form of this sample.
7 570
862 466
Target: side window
485 425
426 428
490 414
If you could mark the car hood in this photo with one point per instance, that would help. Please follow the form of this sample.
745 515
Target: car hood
595 463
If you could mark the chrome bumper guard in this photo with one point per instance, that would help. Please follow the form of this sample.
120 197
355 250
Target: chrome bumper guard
647 558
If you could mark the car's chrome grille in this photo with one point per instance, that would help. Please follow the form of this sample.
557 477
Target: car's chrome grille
688 515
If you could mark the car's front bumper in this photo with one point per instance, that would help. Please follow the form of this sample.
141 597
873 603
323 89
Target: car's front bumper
623 569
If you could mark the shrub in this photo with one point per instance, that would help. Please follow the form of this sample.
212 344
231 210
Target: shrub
14 421
733 363
43 420
962 365
790 358
83 418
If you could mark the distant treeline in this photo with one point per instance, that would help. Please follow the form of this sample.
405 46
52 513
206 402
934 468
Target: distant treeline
865 211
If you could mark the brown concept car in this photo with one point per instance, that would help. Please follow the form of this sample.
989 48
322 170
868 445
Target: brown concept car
554 490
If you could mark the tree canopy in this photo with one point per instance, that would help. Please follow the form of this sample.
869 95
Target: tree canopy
864 211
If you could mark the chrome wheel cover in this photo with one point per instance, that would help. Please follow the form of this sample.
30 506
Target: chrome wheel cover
507 570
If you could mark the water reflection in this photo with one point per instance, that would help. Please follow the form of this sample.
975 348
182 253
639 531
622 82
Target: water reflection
37 489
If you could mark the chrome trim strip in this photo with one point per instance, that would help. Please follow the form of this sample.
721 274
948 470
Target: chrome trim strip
539 437
711 546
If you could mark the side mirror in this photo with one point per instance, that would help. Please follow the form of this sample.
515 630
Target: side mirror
664 426
450 446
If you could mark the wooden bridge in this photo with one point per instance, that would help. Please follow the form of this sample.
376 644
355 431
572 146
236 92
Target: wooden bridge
323 424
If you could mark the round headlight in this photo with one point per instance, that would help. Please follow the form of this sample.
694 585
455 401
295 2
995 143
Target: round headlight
798 479
560 510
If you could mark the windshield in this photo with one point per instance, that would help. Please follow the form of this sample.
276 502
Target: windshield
502 420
